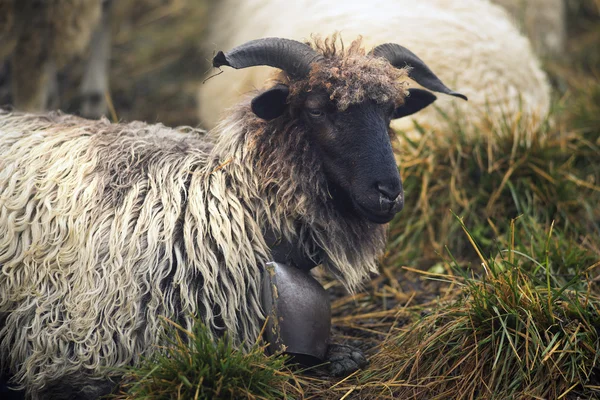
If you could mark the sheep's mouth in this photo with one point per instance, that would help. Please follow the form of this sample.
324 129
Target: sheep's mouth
376 216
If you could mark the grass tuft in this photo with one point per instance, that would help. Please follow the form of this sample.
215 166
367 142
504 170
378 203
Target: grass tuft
193 366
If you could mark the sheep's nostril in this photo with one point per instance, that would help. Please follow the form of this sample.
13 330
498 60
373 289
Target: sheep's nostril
391 193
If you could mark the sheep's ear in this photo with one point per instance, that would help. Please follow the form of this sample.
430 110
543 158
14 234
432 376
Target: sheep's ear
417 100
272 103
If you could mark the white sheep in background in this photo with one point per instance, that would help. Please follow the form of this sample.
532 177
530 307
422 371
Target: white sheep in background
40 37
471 44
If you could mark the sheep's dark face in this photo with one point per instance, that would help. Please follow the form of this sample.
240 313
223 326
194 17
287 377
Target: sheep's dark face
353 141
357 154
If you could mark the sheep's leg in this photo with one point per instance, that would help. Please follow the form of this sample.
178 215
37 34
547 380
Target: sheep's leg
95 80
344 359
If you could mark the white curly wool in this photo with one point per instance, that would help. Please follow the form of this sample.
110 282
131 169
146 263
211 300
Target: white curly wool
472 45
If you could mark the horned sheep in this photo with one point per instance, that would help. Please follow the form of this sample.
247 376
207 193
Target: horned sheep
471 44
106 227
41 37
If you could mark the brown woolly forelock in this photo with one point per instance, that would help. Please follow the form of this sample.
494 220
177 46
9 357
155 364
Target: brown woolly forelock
350 76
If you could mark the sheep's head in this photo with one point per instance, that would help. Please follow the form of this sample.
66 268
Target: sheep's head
346 100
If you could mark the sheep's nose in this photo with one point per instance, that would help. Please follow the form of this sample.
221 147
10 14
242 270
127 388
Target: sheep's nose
390 192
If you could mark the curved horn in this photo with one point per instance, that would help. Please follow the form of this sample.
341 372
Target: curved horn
400 57
291 56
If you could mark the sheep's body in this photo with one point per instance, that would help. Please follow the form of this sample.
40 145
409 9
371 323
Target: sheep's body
543 21
106 227
40 37
469 44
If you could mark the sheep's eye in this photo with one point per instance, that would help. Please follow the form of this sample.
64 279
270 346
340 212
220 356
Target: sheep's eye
315 113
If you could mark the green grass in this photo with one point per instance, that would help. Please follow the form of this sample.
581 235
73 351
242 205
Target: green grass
550 174
192 365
